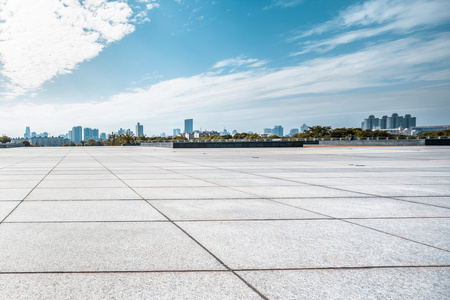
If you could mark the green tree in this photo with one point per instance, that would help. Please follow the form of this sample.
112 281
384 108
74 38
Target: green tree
26 143
5 139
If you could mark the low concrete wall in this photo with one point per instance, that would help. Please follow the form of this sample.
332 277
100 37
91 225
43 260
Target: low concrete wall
390 142
253 144
437 142
11 145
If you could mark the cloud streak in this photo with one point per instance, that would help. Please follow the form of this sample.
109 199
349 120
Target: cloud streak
374 18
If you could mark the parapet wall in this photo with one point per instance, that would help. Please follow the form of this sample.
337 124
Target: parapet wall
230 144
390 142
11 145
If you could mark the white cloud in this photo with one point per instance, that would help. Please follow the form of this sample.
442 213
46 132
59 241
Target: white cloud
239 61
283 3
40 39
259 95
376 17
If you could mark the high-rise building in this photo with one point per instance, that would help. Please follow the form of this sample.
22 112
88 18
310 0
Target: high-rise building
293 131
33 134
383 122
139 129
95 134
268 131
77 133
409 121
27 134
278 130
304 127
87 133
188 125
392 122
103 136
176 131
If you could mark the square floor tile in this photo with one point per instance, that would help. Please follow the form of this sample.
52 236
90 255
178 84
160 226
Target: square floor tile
13 194
312 244
82 194
190 285
434 232
6 207
366 207
229 210
296 191
191 193
399 283
43 247
69 211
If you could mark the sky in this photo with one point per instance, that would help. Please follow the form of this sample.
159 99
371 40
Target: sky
234 64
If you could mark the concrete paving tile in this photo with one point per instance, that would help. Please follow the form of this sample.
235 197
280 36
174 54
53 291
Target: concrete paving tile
399 190
43 247
6 207
80 183
168 183
15 184
228 210
253 182
296 191
317 243
82 194
192 285
434 232
81 177
191 193
58 211
401 283
173 177
80 172
366 207
440 201
21 177
13 194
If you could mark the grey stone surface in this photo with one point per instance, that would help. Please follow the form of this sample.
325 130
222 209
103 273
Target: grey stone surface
18 184
66 211
82 194
439 201
262 212
81 247
228 210
434 232
398 283
366 207
296 191
399 190
191 193
311 244
6 207
13 194
167 183
192 285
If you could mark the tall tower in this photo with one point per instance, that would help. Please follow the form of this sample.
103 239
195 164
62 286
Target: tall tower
188 125
27 133
77 133
139 129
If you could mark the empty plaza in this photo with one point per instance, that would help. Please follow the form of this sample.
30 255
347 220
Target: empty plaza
262 223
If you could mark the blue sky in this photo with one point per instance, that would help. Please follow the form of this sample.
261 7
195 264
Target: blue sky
244 65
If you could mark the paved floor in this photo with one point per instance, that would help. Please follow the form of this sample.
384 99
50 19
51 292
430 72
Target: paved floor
304 223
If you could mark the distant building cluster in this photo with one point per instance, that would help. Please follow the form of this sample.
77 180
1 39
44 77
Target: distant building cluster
278 130
393 122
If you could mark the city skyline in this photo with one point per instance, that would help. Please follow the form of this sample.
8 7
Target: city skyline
234 64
